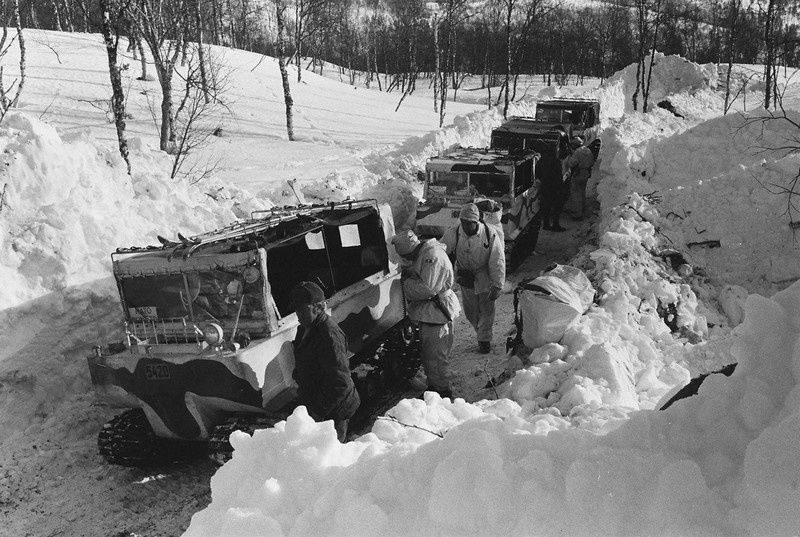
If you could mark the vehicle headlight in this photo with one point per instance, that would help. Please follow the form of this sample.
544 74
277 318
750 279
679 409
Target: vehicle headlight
212 333
251 274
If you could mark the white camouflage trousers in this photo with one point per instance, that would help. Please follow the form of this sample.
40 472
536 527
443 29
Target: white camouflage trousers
435 345
479 311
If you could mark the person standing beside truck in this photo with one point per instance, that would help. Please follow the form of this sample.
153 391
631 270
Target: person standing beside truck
555 191
580 163
321 361
480 266
432 304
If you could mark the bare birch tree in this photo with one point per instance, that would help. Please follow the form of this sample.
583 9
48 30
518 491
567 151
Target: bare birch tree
22 53
160 23
111 12
280 12
7 102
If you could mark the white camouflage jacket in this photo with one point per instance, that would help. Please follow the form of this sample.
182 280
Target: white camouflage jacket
430 274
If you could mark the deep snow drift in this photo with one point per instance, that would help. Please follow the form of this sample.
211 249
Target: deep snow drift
572 446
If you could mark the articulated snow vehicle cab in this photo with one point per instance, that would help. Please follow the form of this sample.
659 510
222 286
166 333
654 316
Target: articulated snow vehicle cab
481 175
526 134
578 117
209 322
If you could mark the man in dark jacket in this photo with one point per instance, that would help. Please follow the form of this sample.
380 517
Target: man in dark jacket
321 361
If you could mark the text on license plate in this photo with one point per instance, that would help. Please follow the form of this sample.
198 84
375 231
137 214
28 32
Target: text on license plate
156 371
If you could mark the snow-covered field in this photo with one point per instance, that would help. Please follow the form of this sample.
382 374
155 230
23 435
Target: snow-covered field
571 447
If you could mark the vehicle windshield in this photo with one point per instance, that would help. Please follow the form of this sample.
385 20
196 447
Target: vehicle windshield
468 184
450 184
213 295
553 115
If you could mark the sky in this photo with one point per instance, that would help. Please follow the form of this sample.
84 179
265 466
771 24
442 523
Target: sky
571 445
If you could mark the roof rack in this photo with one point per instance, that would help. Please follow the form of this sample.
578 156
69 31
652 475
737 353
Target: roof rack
569 99
240 229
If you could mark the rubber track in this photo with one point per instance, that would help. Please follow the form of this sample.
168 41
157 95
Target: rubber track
128 440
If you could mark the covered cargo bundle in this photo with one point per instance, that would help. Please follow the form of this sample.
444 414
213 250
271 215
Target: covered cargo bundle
546 306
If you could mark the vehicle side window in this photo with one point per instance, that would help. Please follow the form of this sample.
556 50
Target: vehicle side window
523 177
507 141
333 256
491 185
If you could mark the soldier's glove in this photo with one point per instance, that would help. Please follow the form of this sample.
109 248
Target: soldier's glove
494 293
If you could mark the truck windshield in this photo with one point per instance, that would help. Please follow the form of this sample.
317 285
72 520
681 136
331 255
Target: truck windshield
449 183
553 115
194 296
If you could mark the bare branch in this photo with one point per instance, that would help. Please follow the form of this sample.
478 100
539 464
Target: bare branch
491 379
3 202
389 417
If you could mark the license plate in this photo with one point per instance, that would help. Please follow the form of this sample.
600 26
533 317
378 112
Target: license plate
156 372
143 313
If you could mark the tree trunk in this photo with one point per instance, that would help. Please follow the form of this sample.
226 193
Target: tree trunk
731 39
769 40
21 38
233 42
85 13
298 36
280 8
57 17
34 19
216 21
68 16
117 95
201 55
507 84
652 56
140 46
436 72
167 127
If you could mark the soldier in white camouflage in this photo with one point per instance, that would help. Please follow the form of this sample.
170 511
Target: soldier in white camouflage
432 304
480 266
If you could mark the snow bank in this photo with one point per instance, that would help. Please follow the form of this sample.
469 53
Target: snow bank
677 472
69 203
723 192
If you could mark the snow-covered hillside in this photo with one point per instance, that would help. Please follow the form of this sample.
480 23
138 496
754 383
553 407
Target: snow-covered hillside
571 446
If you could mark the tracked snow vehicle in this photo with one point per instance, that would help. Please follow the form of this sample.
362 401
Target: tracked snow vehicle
502 183
525 134
209 325
576 116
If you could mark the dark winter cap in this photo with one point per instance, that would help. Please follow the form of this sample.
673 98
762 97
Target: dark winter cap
307 293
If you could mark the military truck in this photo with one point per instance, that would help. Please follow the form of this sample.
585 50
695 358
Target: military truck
499 179
577 117
209 323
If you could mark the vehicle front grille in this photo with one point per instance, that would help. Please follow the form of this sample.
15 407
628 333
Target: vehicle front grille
163 331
